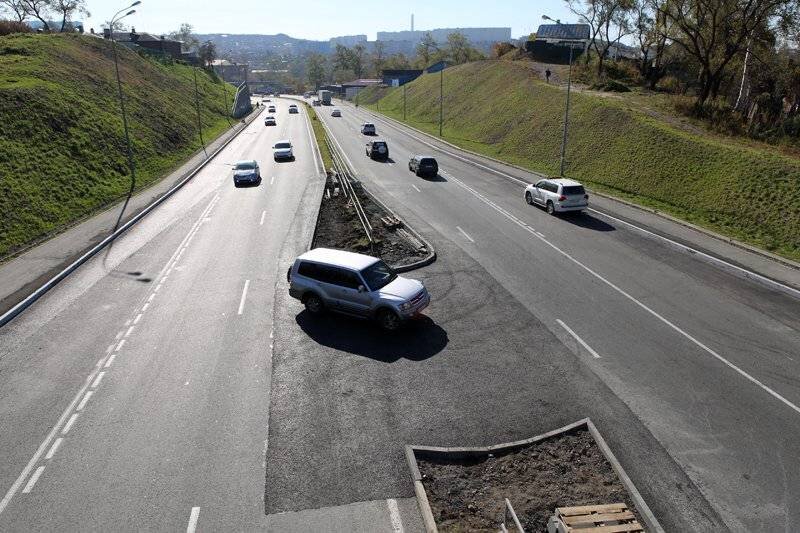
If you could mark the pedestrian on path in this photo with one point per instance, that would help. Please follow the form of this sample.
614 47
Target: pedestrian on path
547 75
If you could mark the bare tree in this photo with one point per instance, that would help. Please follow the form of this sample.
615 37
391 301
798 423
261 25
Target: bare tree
15 8
186 35
67 8
714 32
608 22
38 9
207 52
379 57
426 48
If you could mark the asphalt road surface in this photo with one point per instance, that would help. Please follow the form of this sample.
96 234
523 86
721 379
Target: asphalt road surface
135 395
708 362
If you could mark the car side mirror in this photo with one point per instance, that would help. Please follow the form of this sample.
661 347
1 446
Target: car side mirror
361 288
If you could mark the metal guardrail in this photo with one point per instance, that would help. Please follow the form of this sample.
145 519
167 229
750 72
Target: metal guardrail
345 177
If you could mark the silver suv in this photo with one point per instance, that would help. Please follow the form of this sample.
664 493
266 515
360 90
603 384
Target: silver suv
357 285
557 195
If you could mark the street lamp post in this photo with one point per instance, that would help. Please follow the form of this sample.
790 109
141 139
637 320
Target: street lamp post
197 107
441 100
566 107
131 166
404 101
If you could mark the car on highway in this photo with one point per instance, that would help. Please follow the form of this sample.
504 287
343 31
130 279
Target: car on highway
378 150
246 171
293 109
557 195
316 102
355 284
269 121
271 109
368 128
423 165
283 150
336 113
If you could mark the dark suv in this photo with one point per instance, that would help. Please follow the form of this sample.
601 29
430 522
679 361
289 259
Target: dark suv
378 150
423 165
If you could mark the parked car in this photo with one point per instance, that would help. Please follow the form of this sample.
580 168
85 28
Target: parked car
368 128
246 171
423 165
378 150
355 284
336 113
557 195
270 121
271 109
283 150
293 110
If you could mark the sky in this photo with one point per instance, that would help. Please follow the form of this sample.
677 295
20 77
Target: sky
323 19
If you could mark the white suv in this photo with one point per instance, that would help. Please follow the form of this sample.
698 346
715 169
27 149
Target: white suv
357 285
283 150
557 195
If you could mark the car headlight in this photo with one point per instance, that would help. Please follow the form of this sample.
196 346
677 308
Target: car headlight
405 306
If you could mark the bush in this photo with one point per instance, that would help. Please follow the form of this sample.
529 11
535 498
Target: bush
670 84
7 27
502 48
610 86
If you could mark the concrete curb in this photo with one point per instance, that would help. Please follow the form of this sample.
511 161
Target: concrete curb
29 300
725 265
413 451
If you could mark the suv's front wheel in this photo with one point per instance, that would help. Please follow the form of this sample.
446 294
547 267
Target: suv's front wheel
314 304
388 320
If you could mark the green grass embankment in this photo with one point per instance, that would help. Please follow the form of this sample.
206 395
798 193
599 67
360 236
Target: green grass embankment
320 136
62 149
500 109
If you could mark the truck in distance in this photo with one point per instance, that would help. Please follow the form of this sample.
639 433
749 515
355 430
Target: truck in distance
324 97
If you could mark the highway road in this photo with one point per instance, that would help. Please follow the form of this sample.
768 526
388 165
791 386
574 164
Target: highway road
708 362
135 395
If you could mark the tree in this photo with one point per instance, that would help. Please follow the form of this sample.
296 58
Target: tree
459 50
208 53
714 32
397 62
378 57
425 49
358 59
608 23
186 35
500 49
13 7
315 70
38 9
67 8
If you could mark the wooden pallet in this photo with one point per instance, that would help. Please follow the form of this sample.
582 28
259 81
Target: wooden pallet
609 518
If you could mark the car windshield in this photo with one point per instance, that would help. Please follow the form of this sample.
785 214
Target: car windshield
378 275
245 165
573 189
283 145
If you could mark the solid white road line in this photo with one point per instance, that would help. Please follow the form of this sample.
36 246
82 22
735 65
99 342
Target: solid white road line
272 180
145 306
464 233
654 313
416 188
263 214
68 426
32 481
130 330
110 360
98 379
54 448
120 345
575 336
193 516
394 515
85 399
138 318
244 296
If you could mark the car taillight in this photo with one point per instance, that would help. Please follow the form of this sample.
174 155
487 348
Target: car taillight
562 198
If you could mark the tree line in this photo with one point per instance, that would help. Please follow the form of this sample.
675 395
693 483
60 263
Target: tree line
45 11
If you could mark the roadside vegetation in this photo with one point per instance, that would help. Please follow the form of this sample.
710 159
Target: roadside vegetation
62 148
320 136
740 188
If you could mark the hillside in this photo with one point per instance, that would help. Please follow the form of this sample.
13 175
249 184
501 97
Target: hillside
499 108
61 137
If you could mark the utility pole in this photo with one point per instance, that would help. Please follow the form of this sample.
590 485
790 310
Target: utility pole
404 102
197 107
225 96
566 113
441 99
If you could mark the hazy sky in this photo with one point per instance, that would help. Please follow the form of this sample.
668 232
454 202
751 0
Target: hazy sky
322 19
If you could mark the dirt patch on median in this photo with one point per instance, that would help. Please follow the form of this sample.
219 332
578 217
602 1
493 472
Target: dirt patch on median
338 226
565 470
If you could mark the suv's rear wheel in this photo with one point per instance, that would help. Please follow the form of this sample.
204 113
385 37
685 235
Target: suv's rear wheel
528 198
551 209
314 304
388 320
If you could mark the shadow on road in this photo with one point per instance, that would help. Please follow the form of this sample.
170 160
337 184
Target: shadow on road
437 177
418 340
587 221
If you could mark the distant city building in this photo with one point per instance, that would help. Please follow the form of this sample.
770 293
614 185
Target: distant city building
235 73
347 40
475 35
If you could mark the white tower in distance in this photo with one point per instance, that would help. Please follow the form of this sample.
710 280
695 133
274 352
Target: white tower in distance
412 21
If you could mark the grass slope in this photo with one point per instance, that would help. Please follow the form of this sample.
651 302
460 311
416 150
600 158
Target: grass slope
321 137
62 150
499 108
